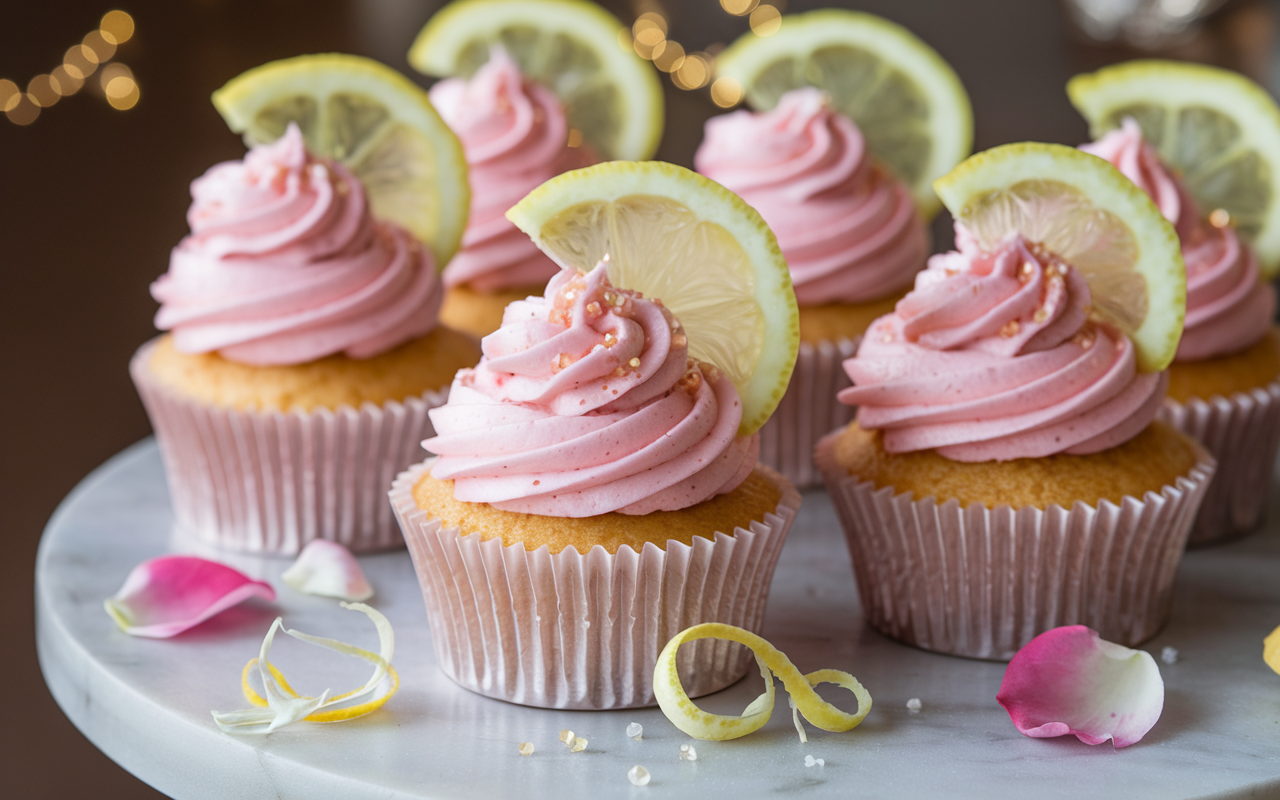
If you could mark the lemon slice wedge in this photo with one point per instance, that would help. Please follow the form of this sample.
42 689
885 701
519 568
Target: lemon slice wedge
906 100
372 119
1217 128
1085 211
675 702
691 243
612 97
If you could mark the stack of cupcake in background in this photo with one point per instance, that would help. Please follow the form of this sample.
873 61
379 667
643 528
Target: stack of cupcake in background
1195 138
597 489
527 104
1005 475
304 349
856 117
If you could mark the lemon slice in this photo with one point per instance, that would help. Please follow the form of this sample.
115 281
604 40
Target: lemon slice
612 97
1085 211
375 121
907 101
691 243
676 705
1219 129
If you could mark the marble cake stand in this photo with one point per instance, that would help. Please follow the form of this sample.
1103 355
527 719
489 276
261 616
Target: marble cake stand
146 703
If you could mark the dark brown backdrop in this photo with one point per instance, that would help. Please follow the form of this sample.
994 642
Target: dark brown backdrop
91 200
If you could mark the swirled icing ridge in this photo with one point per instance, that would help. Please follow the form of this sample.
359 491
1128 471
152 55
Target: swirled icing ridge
850 231
993 357
285 265
586 401
1228 308
514 135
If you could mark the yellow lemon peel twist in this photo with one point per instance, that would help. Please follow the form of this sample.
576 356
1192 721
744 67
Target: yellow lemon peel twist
686 716
337 715
1271 650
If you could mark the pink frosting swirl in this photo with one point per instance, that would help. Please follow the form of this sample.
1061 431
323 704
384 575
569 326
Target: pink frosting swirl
1228 308
285 265
515 136
993 357
850 231
586 402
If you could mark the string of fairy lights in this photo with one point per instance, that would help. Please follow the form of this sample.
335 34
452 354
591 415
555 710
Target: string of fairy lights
92 55
649 38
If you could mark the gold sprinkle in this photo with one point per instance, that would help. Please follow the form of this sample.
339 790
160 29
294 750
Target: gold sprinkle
1041 314
1028 268
610 340
1010 328
635 362
593 308
679 340
1220 218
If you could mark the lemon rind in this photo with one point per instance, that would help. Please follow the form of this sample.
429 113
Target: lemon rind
951 118
1095 94
1159 253
322 74
712 203
435 52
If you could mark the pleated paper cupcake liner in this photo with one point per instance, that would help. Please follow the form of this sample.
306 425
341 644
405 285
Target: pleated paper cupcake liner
270 482
982 582
1243 433
809 410
583 631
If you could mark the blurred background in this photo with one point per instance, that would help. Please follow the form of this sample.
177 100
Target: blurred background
106 119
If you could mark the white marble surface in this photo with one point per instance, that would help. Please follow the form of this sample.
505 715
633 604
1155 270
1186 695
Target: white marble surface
146 703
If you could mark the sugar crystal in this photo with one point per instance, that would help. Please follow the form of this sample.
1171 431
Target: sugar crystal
566 736
638 775
688 753
913 705
810 761
635 730
577 745
526 748
1169 655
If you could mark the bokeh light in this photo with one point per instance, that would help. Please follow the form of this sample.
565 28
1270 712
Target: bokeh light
116 27
42 92
694 73
739 8
119 86
671 57
78 61
23 112
766 20
10 94
101 48
726 92
66 83
650 19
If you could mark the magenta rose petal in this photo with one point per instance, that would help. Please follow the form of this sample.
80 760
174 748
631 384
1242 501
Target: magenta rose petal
1069 681
165 596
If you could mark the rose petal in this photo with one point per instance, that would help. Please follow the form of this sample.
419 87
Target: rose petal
165 596
1067 680
1271 650
329 570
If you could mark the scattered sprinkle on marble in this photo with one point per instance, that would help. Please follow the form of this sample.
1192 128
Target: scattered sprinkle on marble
635 730
638 775
1169 655
566 736
687 753
577 745
913 705
810 761
526 748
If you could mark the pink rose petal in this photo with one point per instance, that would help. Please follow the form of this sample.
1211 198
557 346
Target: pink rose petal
165 596
328 569
1068 680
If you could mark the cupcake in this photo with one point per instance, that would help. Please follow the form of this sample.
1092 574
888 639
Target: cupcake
1004 474
851 235
592 497
515 137
302 354
1224 383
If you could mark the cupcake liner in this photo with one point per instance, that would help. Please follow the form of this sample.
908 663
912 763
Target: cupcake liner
809 410
982 582
1243 433
270 482
583 631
